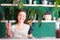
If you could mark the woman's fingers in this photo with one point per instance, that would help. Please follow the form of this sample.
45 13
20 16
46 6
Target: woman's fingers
9 34
8 29
8 26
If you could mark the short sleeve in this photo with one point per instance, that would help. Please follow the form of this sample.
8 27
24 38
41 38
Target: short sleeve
30 30
13 28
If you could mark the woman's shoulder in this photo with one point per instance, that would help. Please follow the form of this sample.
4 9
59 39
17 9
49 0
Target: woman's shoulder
13 27
27 25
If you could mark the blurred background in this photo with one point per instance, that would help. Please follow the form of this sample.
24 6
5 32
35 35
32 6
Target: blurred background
43 26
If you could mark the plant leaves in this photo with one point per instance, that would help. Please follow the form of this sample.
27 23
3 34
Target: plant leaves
20 4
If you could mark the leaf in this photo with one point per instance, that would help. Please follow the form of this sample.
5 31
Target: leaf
20 4
56 6
32 12
11 10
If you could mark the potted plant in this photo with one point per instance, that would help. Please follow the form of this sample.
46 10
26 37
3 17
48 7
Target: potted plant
32 12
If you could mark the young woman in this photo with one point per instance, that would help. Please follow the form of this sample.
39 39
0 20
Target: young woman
20 29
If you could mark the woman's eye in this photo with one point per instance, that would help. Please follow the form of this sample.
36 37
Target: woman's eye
23 15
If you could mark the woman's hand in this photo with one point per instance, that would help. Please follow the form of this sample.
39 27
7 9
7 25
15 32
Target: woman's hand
30 36
8 30
8 26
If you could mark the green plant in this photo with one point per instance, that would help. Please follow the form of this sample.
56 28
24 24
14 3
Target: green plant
11 11
20 4
56 7
32 12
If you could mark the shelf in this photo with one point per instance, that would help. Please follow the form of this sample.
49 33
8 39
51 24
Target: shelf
9 4
45 21
33 21
29 5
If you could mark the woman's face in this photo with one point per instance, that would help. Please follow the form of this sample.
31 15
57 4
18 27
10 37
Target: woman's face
21 16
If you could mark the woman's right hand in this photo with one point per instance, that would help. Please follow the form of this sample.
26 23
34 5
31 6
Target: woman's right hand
8 26
8 30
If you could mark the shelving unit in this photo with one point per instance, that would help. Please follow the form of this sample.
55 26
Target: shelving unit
33 21
44 27
30 5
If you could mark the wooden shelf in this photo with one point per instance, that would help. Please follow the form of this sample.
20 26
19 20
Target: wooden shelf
29 5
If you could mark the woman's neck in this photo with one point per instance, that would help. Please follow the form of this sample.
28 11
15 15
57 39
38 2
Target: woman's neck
20 26
20 23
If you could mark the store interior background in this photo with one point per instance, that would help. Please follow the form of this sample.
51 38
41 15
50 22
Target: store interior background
47 29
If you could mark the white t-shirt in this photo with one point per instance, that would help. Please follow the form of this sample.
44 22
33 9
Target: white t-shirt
23 34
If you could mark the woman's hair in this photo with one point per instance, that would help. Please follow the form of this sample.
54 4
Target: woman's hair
20 10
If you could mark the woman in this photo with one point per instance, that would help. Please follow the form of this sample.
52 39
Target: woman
19 30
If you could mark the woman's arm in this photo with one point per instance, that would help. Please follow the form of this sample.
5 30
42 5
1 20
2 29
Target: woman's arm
30 32
8 30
